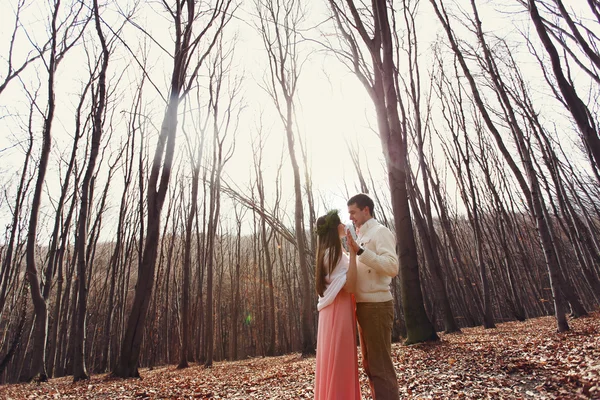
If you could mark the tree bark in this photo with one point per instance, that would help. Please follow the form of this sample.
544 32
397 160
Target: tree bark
187 261
127 365
577 108
418 326
531 194
185 48
79 365
39 303
281 45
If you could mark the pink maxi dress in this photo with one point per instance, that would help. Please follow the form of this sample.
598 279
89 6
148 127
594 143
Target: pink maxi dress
336 375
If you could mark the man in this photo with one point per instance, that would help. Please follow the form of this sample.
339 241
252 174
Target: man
377 265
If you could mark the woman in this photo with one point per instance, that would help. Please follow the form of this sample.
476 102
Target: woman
335 280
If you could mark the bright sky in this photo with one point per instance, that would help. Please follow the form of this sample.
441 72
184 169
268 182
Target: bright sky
333 107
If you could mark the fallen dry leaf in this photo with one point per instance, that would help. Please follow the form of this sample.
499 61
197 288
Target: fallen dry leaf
517 360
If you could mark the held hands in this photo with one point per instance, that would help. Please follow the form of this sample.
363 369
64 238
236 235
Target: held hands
352 245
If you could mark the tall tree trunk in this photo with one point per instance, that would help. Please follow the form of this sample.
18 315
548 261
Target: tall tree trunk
187 263
488 316
430 253
185 49
7 260
210 258
308 339
221 125
476 223
418 326
269 264
59 237
392 133
578 110
418 128
79 365
258 155
235 291
531 194
127 365
39 303
281 46
120 243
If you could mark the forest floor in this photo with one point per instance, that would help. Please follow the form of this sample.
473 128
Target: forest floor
517 360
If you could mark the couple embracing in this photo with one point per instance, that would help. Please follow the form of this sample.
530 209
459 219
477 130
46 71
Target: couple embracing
355 286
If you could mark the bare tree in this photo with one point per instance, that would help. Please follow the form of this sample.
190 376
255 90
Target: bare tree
529 187
372 25
224 110
120 245
7 272
12 70
258 151
279 28
572 101
417 127
185 18
79 365
195 151
235 286
58 48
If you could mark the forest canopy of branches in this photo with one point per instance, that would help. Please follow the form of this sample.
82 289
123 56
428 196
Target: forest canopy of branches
163 164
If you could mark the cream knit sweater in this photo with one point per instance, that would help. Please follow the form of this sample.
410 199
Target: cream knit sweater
377 265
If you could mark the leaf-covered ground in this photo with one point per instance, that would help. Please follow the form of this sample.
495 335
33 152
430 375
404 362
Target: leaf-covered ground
527 360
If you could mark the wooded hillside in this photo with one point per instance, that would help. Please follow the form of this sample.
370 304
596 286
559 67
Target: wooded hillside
160 164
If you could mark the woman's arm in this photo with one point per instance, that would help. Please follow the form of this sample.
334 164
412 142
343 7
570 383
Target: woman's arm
350 285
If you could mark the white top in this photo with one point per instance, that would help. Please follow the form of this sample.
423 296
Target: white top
334 281
377 265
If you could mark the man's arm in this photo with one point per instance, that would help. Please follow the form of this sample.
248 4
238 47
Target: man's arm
383 259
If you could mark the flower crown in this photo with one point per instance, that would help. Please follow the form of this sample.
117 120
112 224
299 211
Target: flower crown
323 229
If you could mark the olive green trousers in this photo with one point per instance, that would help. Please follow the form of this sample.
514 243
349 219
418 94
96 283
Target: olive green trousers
375 322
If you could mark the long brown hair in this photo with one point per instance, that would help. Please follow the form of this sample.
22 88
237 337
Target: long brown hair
327 239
